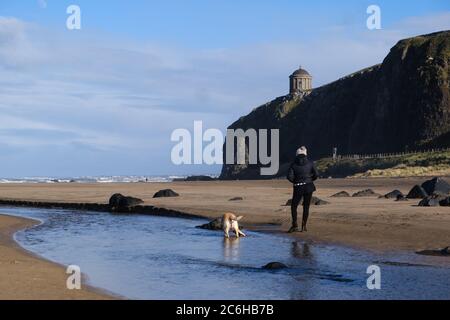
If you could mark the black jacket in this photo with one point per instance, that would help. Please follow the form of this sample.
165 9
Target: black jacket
302 170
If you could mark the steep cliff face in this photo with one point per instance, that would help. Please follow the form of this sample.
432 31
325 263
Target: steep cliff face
400 104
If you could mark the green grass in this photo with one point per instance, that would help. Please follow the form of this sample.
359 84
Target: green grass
419 164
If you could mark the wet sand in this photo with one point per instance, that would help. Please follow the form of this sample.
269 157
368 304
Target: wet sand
368 222
27 277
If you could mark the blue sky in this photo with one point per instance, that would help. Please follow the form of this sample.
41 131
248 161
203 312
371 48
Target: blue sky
103 100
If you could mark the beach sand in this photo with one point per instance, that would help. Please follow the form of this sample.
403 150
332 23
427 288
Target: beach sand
368 222
27 277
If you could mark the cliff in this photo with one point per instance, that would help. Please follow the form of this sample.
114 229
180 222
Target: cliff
400 104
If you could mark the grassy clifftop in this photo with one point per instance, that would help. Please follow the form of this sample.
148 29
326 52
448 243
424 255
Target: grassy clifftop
419 164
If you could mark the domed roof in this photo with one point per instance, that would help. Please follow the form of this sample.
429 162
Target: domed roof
301 73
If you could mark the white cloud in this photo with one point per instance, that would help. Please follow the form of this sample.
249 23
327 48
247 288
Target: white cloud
129 96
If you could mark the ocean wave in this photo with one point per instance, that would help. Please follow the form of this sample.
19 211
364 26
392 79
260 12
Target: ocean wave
95 179
88 179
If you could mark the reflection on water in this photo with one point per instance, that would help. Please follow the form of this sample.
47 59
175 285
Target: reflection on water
149 257
301 250
231 249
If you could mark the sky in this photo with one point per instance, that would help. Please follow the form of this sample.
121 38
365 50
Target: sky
104 99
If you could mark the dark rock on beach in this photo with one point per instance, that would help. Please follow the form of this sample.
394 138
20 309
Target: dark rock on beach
366 193
445 202
438 191
417 192
199 178
438 252
393 195
165 193
274 266
118 202
236 199
431 201
318 202
401 197
436 186
215 224
342 194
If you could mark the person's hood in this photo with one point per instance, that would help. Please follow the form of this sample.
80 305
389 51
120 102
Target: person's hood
301 160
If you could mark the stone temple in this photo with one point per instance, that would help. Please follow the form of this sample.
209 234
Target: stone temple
300 82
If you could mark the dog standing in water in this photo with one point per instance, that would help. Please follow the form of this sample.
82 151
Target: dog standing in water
230 221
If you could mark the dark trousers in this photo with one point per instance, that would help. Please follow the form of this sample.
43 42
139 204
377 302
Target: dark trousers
300 193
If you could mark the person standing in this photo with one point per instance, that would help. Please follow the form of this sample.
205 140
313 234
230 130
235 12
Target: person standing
302 174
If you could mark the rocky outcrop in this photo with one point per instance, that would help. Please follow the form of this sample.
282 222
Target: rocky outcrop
341 194
318 202
417 192
436 186
445 202
199 178
165 193
433 192
395 194
366 193
402 103
215 224
401 198
119 202
445 252
431 201
274 266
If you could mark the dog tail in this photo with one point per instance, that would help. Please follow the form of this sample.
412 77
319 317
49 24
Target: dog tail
239 218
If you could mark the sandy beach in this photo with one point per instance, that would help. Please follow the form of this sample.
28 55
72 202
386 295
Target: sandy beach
367 222
27 277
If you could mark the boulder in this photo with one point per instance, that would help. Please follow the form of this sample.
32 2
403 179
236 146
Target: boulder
431 201
342 194
445 202
436 186
401 197
215 224
417 192
274 266
393 195
118 201
236 199
165 193
366 193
